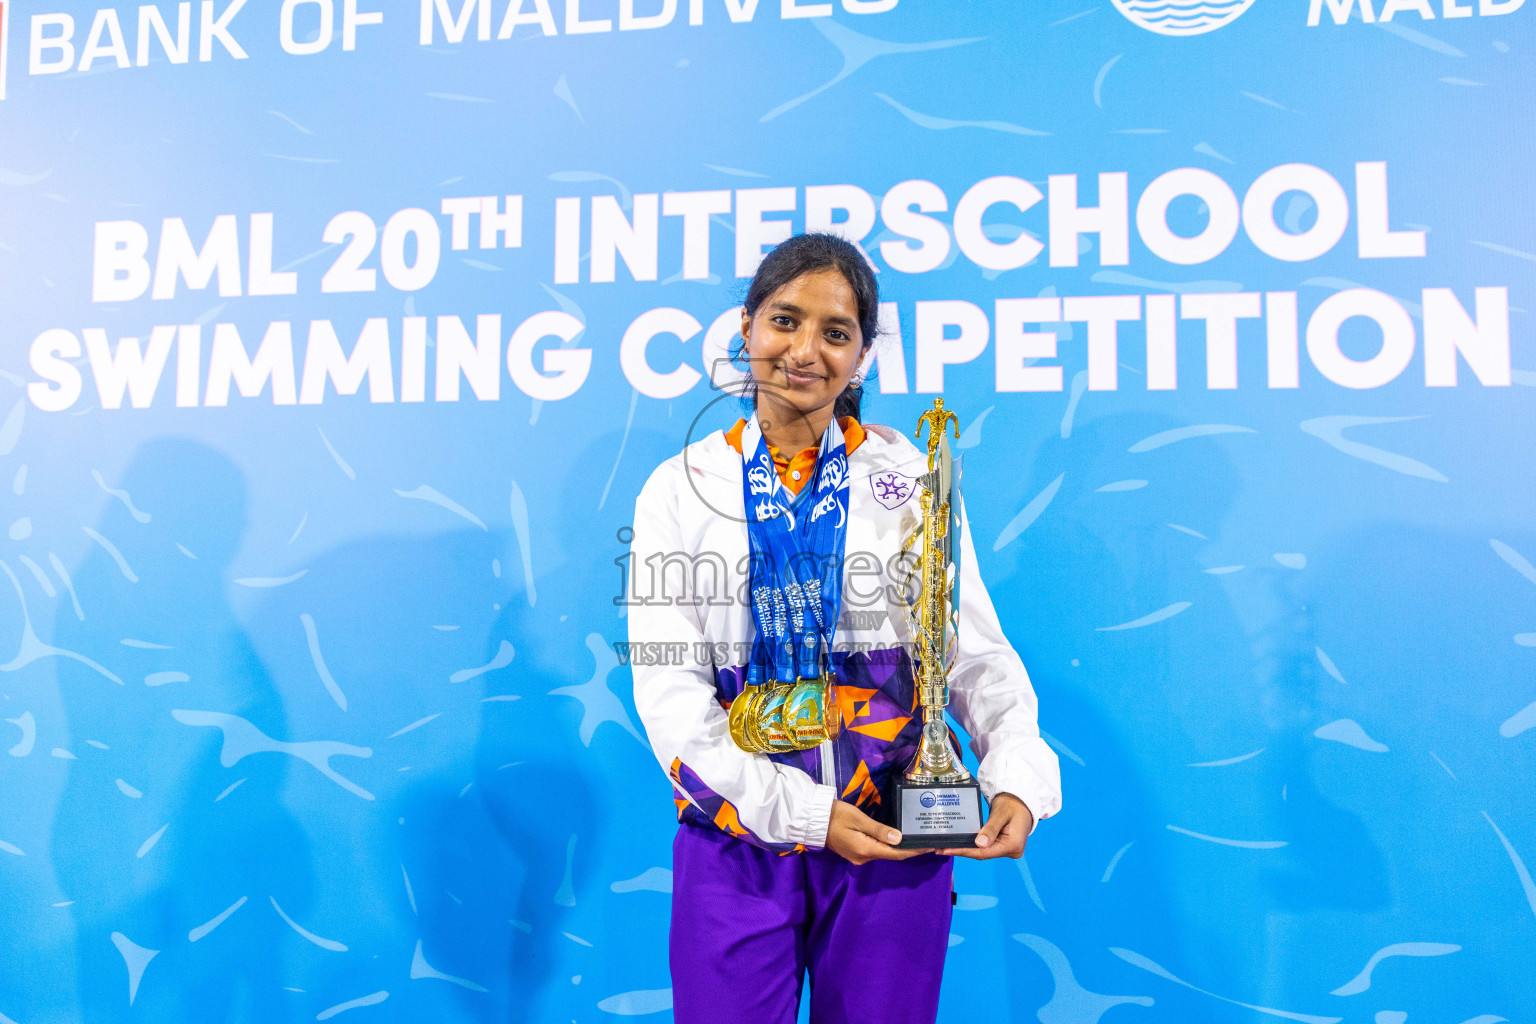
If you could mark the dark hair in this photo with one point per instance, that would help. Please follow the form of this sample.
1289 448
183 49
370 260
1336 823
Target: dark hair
806 254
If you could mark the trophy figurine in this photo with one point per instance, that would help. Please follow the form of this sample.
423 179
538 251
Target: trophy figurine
935 802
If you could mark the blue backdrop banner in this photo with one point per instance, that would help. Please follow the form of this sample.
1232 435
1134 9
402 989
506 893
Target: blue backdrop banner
340 335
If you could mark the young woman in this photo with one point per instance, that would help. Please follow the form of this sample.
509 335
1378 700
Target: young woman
781 862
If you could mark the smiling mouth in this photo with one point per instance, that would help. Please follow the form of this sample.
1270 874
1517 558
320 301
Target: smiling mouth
802 378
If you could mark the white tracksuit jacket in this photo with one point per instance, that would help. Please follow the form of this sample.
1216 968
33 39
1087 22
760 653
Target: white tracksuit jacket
690 630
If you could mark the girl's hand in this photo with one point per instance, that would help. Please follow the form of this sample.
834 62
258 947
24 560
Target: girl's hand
859 839
1005 832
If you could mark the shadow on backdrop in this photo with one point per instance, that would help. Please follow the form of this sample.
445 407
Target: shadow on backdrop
146 841
1149 674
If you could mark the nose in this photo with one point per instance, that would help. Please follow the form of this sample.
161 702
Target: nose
802 347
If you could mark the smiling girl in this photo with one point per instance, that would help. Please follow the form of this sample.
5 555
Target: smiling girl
780 538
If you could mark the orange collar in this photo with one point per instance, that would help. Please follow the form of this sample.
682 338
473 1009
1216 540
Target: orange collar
796 472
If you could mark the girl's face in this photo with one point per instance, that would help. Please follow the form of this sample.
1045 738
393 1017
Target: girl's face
804 344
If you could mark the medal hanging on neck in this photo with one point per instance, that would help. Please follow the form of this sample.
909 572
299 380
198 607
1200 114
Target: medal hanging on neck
796 585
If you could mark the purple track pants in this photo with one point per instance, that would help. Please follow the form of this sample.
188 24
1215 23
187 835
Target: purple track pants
747 924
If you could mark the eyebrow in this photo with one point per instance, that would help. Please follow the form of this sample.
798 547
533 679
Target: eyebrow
790 307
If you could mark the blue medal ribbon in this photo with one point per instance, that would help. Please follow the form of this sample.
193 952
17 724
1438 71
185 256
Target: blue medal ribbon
795 575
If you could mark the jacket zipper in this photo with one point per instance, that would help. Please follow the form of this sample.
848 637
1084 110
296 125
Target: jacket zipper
828 767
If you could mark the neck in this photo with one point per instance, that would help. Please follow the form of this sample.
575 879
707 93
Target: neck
791 430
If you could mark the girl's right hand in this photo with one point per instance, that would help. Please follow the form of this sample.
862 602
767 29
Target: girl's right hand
859 839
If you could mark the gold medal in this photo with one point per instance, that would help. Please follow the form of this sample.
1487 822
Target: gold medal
773 730
805 712
741 718
832 713
779 717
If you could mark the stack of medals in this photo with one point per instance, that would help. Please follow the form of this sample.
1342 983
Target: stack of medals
796 582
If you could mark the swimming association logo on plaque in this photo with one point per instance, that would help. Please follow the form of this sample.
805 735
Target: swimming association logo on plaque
1182 17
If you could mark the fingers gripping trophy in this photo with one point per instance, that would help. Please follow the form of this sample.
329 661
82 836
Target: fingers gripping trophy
935 803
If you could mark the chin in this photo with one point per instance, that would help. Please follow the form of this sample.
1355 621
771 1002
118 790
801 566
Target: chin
801 399
805 401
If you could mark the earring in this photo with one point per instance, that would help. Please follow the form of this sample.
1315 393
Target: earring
856 381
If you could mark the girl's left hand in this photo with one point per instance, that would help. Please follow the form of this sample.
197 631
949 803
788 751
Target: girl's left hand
1007 828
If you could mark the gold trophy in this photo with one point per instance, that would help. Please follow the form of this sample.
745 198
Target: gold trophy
935 802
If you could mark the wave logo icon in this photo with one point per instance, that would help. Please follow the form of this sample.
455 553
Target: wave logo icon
1182 17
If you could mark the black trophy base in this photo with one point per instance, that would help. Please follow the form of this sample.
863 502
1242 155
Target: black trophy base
935 816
